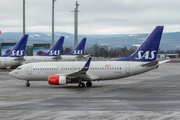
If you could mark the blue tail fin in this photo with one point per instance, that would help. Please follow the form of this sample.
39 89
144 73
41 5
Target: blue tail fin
19 48
147 52
79 50
56 49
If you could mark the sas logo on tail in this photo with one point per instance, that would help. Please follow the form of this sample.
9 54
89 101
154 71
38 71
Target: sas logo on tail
55 52
78 52
17 53
146 55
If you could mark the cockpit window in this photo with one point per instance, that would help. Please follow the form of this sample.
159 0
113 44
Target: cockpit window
19 68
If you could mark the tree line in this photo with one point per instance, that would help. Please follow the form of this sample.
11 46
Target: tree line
102 51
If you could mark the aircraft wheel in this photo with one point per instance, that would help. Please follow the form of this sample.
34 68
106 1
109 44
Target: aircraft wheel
27 84
81 85
89 84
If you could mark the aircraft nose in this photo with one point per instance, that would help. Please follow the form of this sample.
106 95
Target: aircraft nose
12 73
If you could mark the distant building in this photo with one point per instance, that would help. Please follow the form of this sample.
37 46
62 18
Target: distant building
167 55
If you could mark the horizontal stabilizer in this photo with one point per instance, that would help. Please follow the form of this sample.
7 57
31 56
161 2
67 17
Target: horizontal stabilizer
151 63
80 56
155 63
83 56
20 59
164 61
57 57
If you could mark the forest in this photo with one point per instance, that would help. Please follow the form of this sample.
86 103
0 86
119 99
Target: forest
103 51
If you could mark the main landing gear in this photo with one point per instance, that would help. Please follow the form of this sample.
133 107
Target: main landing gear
88 84
27 83
81 85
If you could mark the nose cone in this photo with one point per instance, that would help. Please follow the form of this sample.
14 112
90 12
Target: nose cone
12 73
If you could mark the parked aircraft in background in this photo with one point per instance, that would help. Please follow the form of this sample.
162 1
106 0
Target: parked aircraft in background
77 53
60 73
54 53
15 56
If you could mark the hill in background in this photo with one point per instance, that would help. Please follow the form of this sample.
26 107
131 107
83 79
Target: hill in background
170 41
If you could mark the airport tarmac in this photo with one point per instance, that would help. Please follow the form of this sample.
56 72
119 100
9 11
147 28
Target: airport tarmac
154 95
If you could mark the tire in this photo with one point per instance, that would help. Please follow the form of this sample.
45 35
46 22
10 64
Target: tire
81 85
27 84
89 84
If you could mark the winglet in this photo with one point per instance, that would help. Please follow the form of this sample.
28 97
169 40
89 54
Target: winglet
19 49
86 66
79 50
56 49
147 52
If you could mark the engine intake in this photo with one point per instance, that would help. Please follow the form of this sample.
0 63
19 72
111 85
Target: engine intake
57 80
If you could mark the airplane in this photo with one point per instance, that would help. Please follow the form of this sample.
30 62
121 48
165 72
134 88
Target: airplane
15 56
62 73
77 53
52 55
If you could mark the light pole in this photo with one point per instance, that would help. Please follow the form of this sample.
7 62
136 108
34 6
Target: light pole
53 1
23 17
76 24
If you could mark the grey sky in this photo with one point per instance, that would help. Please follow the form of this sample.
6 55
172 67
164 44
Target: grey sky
95 16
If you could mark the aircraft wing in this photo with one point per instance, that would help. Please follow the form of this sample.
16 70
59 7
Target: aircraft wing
81 73
83 70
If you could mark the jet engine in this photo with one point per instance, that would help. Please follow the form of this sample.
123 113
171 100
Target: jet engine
57 80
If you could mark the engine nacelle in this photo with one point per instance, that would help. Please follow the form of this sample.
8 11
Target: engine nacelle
57 80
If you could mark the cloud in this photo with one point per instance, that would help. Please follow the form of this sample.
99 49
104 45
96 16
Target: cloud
95 17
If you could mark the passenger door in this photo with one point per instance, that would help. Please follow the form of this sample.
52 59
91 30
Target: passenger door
29 69
5 61
127 68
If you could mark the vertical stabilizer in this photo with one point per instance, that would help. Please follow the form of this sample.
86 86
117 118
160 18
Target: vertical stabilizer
147 52
79 50
56 49
19 48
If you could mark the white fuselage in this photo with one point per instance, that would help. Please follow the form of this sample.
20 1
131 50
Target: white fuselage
98 70
69 57
8 61
31 59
